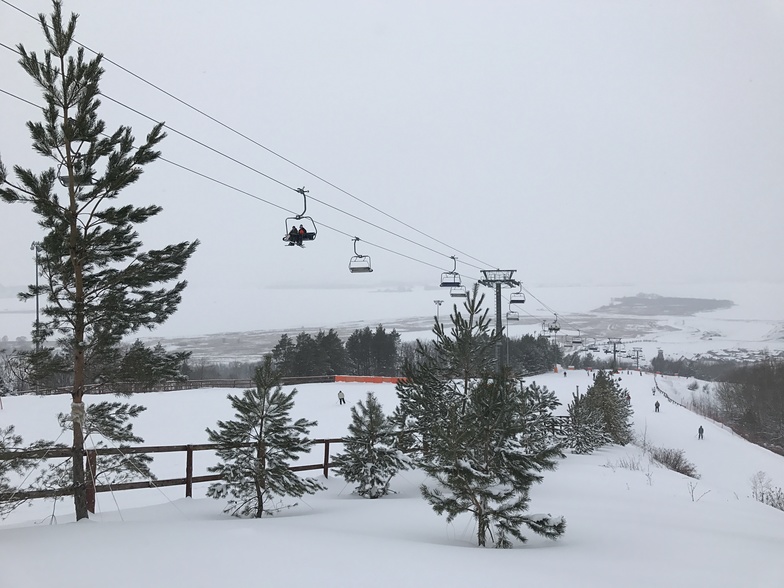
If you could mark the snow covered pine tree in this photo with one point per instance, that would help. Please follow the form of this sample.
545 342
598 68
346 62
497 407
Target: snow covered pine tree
256 447
606 398
478 446
371 458
585 431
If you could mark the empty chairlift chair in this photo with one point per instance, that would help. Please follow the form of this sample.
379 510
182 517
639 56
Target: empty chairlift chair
359 264
517 297
451 279
80 173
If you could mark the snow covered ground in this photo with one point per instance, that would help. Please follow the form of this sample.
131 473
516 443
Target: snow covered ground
644 527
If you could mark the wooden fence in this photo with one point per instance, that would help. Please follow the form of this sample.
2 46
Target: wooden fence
137 387
92 460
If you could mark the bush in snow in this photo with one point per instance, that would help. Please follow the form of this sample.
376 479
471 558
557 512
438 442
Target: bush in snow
762 489
675 460
370 459
257 445
693 385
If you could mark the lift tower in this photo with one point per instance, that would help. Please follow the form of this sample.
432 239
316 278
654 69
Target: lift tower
496 279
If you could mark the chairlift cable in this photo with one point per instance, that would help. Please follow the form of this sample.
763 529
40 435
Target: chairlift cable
260 199
251 168
246 193
262 173
257 143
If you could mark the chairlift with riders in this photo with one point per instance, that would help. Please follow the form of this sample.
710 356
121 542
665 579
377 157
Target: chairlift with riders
306 231
554 327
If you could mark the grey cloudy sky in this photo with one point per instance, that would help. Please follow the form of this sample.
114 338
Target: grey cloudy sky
579 142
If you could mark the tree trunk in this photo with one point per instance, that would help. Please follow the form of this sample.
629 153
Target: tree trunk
79 482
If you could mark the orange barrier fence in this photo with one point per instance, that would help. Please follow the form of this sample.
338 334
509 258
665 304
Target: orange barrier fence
368 379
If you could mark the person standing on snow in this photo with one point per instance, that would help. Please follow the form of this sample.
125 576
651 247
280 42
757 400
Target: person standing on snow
341 397
656 406
700 431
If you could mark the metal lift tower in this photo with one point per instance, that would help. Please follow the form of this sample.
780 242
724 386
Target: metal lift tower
496 279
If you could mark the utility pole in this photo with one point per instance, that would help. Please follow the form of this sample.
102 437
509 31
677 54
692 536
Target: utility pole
497 278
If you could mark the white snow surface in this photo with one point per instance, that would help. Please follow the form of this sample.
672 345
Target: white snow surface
644 528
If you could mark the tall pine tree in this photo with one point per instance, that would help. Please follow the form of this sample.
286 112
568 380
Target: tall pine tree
98 283
257 447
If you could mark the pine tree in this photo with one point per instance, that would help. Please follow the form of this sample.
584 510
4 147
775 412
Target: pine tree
257 446
585 431
482 465
442 370
370 459
606 398
99 285
485 437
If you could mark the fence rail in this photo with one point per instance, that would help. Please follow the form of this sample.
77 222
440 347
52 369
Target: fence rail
174 385
92 460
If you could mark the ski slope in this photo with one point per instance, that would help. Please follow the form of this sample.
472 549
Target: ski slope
645 528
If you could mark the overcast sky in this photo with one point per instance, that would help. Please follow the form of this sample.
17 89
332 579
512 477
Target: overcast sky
582 142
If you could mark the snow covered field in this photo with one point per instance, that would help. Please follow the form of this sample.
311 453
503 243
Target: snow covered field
646 527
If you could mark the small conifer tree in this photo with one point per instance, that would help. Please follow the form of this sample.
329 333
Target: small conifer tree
257 447
606 398
482 465
585 431
370 459
483 437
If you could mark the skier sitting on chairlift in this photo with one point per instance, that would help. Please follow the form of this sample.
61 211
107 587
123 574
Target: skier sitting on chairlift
295 237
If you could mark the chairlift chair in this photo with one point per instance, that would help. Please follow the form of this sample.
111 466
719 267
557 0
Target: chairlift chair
359 264
451 279
458 292
305 221
80 177
517 297
513 315
554 327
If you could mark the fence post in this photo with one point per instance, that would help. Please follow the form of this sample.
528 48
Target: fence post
188 471
92 469
326 459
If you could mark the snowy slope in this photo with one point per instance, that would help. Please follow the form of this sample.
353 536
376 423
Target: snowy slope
644 528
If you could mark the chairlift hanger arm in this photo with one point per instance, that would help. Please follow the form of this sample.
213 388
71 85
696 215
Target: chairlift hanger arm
304 193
